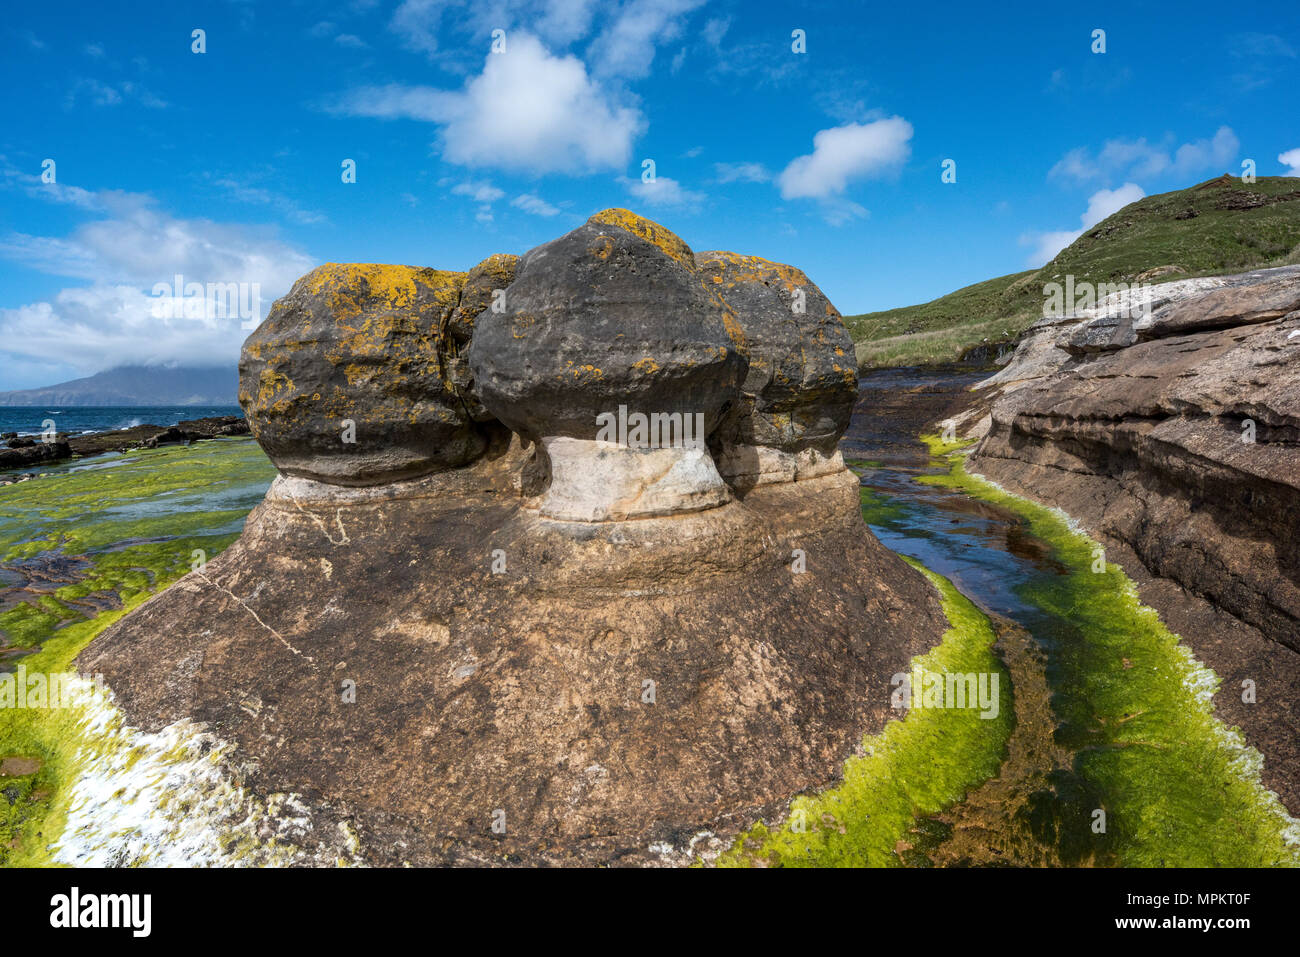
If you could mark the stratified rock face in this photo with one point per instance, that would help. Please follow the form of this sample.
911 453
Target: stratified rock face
1180 439
798 395
358 344
613 318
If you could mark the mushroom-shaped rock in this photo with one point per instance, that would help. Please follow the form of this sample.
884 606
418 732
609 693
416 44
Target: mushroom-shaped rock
344 383
798 395
484 286
613 354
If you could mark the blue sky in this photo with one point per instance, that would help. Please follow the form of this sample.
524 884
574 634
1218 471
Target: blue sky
225 166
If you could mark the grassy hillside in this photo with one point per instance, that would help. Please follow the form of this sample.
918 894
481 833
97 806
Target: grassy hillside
1219 226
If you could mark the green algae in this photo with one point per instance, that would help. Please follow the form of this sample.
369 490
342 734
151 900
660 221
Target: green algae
915 767
1178 787
119 527
34 808
117 531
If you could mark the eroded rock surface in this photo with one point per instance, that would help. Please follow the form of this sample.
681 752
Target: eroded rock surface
613 316
359 344
1180 439
797 397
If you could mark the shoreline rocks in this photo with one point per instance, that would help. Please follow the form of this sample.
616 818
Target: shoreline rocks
1180 439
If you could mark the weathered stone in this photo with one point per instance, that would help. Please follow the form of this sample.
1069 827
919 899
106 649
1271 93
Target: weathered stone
798 395
612 315
614 692
359 344
1184 447
485 283
33 453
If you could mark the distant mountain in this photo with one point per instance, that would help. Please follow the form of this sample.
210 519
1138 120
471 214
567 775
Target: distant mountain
138 385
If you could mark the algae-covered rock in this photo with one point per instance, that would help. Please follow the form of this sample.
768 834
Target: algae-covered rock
344 381
802 380
612 317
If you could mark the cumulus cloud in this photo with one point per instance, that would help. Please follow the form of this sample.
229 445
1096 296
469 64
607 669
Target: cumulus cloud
123 255
662 191
844 153
1290 158
528 111
1140 159
1103 203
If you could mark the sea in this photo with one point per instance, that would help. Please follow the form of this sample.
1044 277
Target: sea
82 420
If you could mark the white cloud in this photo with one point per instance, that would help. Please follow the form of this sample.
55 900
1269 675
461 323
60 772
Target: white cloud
1103 203
528 111
844 153
1140 159
351 41
741 172
113 320
661 191
531 203
626 48
425 25
417 23
1290 158
480 191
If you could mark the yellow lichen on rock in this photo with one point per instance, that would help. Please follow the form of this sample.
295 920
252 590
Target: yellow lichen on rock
661 237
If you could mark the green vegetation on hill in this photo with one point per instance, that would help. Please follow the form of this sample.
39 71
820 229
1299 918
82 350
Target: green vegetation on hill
1220 226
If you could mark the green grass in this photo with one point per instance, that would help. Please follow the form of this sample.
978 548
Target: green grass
1196 231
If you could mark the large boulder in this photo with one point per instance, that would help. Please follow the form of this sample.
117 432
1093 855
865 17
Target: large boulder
611 325
344 381
798 396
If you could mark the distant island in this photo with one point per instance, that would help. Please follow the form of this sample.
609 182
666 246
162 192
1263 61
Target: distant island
137 386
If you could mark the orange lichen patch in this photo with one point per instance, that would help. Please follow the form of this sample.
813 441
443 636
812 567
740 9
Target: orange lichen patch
355 287
585 373
601 249
664 239
746 269
498 264
646 365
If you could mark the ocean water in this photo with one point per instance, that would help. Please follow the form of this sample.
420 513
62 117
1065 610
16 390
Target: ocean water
79 420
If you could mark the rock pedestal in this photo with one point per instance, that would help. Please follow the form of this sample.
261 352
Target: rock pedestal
524 619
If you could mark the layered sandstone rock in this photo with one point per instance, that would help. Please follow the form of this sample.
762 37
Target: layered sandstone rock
798 395
1179 436
519 638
